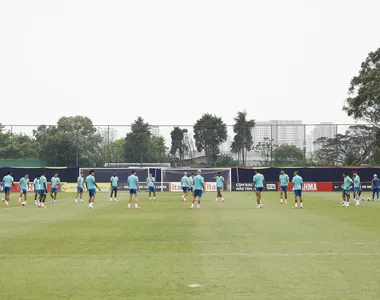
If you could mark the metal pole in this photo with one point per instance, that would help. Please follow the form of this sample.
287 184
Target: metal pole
11 154
304 142
109 152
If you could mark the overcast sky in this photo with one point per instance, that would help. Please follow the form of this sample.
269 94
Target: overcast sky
171 61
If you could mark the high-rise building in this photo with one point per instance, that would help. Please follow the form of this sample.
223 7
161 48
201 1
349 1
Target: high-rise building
324 129
291 132
155 130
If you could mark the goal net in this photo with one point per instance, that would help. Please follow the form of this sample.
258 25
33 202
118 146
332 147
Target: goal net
173 176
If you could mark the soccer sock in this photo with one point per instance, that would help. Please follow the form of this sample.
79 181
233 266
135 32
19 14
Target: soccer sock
192 204
280 200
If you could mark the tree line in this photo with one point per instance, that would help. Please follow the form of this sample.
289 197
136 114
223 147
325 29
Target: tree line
75 141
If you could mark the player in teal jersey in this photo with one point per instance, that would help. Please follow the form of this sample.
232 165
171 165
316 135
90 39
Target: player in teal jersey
134 189
55 181
185 186
258 179
36 186
151 187
357 187
114 186
347 183
91 185
199 188
284 182
80 186
24 182
297 188
219 186
43 190
7 184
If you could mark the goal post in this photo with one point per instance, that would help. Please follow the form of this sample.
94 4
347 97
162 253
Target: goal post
173 176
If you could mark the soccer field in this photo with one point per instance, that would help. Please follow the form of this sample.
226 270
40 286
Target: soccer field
165 251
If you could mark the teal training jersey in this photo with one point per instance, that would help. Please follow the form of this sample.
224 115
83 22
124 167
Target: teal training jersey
24 183
114 180
132 181
347 183
36 183
191 181
198 182
185 181
8 180
297 180
219 181
258 179
42 183
357 181
90 180
284 180
80 181
55 181
150 181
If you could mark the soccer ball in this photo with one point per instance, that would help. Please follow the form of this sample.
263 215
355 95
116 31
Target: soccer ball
368 199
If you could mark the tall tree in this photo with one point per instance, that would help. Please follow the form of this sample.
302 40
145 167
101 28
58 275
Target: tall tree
73 142
243 140
209 132
137 142
288 155
178 142
157 150
355 147
363 102
265 149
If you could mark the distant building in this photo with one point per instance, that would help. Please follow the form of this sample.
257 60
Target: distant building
324 129
291 132
155 130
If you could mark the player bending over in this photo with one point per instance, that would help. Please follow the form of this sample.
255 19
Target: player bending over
375 187
134 189
347 182
36 184
258 180
185 186
199 188
114 186
357 185
91 185
297 188
24 182
151 187
7 183
219 186
80 182
284 182
54 187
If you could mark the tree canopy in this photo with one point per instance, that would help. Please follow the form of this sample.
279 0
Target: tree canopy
243 140
363 102
209 133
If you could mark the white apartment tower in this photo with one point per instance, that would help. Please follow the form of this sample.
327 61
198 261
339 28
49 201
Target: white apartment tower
291 132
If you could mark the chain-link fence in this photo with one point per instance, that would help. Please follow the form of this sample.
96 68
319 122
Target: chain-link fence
267 143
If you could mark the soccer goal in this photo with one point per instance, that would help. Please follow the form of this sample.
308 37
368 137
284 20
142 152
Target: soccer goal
173 176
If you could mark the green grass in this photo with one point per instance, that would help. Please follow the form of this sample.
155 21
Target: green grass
233 250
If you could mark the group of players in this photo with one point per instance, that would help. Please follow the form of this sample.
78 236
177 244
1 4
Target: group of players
193 184
40 188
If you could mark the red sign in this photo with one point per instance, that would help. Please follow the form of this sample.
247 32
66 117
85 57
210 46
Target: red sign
313 186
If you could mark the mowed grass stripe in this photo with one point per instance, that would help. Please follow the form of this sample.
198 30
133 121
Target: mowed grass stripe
233 250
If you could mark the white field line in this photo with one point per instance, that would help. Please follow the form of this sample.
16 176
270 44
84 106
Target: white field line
251 254
333 243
